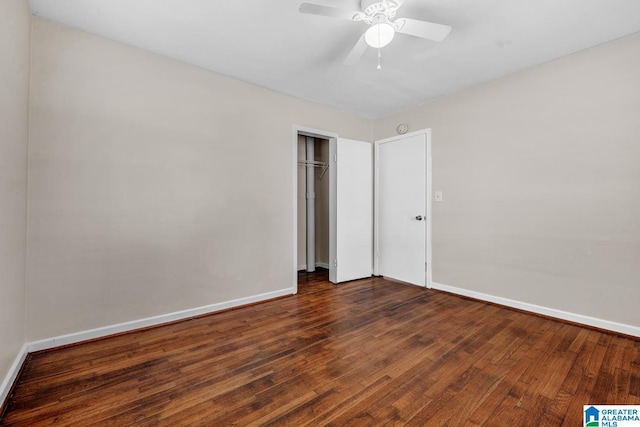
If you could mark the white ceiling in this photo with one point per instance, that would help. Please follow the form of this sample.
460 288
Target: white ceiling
270 44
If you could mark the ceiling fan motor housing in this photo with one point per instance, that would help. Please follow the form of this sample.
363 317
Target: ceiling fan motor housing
387 8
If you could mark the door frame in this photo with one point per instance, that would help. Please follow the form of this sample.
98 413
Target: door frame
428 200
315 133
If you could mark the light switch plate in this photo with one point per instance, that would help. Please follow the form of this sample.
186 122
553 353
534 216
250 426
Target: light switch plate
437 196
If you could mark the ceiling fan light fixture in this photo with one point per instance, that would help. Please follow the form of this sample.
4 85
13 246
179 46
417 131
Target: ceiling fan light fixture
379 35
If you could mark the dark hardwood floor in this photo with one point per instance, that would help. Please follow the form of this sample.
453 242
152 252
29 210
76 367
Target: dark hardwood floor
369 352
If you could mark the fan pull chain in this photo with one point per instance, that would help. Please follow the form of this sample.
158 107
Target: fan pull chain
379 55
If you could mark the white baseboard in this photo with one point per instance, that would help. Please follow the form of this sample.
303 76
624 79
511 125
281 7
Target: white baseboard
11 376
48 343
552 312
318 264
150 321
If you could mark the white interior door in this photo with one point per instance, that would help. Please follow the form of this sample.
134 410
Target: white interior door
351 206
402 208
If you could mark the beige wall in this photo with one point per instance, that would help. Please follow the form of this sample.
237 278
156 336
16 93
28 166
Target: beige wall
540 173
15 29
155 186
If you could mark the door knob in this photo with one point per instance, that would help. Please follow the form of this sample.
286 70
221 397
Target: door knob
419 217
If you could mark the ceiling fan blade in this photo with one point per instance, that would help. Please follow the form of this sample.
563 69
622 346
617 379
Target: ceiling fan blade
357 52
333 12
422 29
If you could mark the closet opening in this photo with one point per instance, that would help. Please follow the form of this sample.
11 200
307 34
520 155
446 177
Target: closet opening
313 200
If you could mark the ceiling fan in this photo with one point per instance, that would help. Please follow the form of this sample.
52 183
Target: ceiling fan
379 15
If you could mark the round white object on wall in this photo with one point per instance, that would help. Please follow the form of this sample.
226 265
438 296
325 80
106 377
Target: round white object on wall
402 128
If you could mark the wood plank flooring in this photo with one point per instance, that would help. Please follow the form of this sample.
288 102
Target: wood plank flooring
369 352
